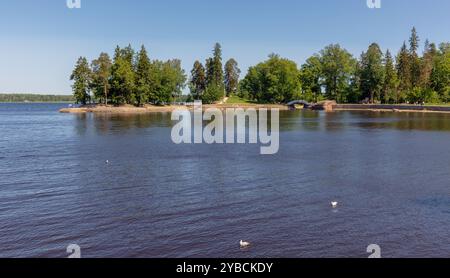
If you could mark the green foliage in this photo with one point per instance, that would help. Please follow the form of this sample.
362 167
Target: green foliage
234 99
101 71
35 98
130 79
123 77
338 66
390 85
404 69
207 83
81 76
336 75
231 77
311 79
414 58
197 83
212 94
372 73
216 78
332 74
215 87
144 82
440 76
275 81
169 79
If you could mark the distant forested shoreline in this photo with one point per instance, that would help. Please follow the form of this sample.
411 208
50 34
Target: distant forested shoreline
11 98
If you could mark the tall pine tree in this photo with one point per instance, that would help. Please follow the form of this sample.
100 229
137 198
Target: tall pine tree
101 71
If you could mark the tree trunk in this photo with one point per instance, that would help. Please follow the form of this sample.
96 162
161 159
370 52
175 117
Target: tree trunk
106 94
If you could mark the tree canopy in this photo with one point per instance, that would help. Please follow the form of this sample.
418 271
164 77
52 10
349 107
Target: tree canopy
81 77
332 73
131 78
276 80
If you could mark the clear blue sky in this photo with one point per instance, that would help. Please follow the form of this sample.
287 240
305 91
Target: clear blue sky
41 39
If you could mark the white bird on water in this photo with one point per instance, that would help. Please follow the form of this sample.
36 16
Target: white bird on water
107 161
334 204
244 244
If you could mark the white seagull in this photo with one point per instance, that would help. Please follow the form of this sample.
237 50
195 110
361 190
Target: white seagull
334 204
244 244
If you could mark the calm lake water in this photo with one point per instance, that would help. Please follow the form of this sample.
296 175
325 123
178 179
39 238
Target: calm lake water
389 171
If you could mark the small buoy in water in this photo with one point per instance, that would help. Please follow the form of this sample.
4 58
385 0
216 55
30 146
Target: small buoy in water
244 244
334 204
107 161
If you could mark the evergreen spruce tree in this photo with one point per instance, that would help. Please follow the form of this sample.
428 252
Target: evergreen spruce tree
123 76
372 73
231 77
217 65
390 93
81 76
144 88
403 72
427 63
414 58
198 80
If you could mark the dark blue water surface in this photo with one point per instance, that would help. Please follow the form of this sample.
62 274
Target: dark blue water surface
389 171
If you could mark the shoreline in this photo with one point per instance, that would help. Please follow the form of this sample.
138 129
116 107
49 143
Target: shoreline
160 109
129 109
392 108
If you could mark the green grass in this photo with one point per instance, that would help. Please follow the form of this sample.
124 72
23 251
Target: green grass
238 100
440 104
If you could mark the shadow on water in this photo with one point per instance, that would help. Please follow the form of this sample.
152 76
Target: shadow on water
305 120
338 121
104 123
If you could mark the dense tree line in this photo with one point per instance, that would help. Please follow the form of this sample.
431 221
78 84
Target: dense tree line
213 82
376 77
130 78
273 81
34 98
333 73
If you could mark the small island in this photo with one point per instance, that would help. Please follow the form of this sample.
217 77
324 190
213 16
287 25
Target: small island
331 80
